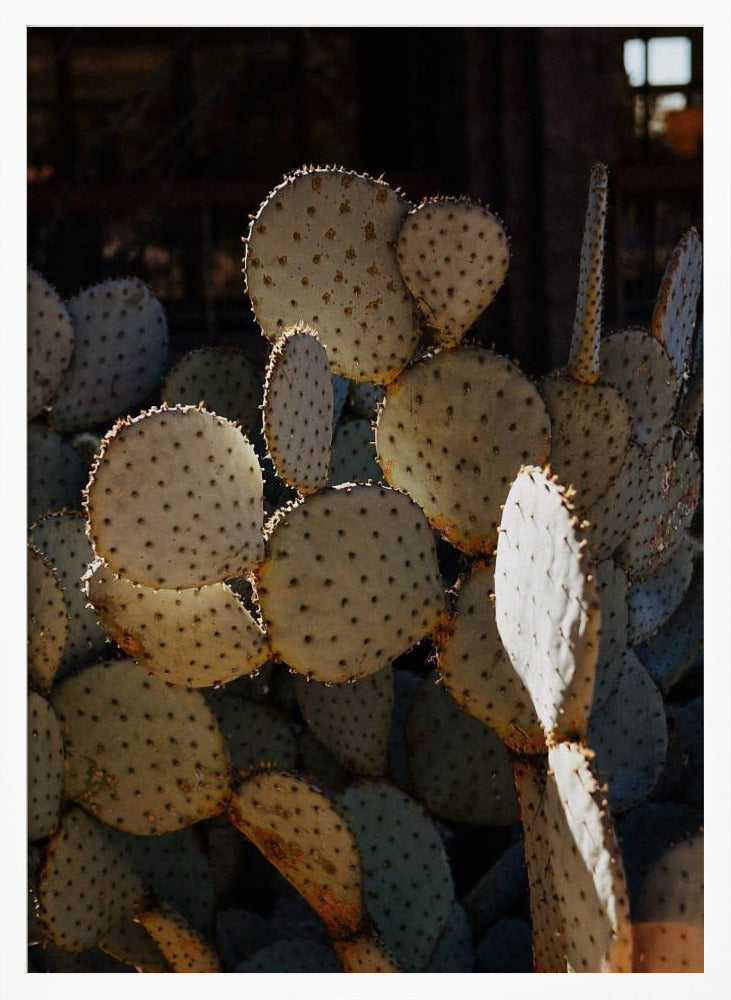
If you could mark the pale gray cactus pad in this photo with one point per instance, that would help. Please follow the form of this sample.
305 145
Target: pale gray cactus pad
652 601
45 768
223 379
50 343
673 320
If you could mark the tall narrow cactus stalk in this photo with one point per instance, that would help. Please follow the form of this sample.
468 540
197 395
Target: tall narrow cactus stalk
584 356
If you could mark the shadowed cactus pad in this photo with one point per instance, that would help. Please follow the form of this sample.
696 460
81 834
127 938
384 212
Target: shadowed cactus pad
613 515
141 755
298 410
364 953
546 601
294 955
221 378
45 768
654 600
353 457
350 581
257 736
183 947
47 621
612 588
673 320
196 638
453 433
50 343
321 251
453 254
175 499
56 473
120 349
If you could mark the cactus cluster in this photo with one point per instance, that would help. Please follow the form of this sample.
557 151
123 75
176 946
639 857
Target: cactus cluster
297 637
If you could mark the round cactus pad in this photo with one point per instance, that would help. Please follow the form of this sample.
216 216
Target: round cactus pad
45 768
257 736
546 601
353 457
454 255
47 621
613 515
351 720
587 864
590 429
197 637
182 946
175 499
408 884
638 366
50 343
477 672
350 581
655 599
62 540
222 379
298 410
321 251
120 349
87 884
673 320
56 473
305 837
141 755
453 433
459 768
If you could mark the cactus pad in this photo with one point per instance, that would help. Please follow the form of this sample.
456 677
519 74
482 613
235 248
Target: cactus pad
673 320
320 251
130 943
477 672
56 473
341 387
630 736
453 952
62 540
175 499
584 355
298 410
256 735
453 254
183 947
546 601
294 955
305 837
364 953
453 433
353 457
612 587
505 947
45 768
223 379
120 349
318 764
408 884
637 364
501 892
364 399
459 768
654 600
50 343
87 884
613 515
351 720
47 621
349 582
674 648
141 755
197 638
590 429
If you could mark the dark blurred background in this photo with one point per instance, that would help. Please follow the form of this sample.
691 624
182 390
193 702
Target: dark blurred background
147 149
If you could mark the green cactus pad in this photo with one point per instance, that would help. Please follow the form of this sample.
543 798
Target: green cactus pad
353 458
364 399
590 429
351 720
45 768
548 922
298 410
477 672
350 581
305 837
294 955
502 891
141 755
318 765
222 379
584 355
587 864
670 501
672 651
408 884
175 499
614 514
196 638
459 768
48 626
56 473
612 588
546 602
120 350
639 367
673 320
453 433
453 254
130 943
321 251
505 947
630 737
182 946
87 884
256 736
655 599
50 343
62 540
454 952
364 953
